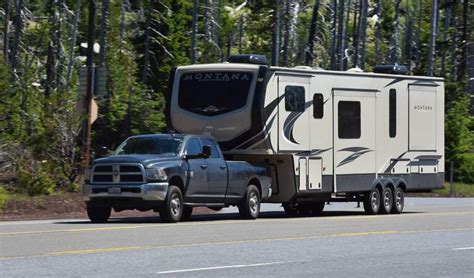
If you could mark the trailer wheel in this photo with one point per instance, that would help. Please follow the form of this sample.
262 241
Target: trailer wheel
398 201
173 207
187 212
98 214
387 200
372 202
249 208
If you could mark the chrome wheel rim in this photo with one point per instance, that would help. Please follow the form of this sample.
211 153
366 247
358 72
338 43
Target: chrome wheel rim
386 199
175 204
398 199
374 200
253 202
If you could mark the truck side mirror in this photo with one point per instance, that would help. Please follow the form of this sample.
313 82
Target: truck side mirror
206 151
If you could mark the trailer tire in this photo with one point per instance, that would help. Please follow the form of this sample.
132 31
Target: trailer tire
187 212
173 207
98 214
386 201
249 207
372 202
398 201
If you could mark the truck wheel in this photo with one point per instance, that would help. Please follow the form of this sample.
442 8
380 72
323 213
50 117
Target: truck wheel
387 200
187 212
372 202
173 207
398 201
98 214
317 208
249 208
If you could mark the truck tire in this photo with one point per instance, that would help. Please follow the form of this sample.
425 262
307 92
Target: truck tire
386 201
98 214
398 201
372 202
187 212
249 208
173 207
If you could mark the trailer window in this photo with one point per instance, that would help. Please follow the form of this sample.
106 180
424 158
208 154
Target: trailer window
349 119
294 98
392 107
214 92
318 106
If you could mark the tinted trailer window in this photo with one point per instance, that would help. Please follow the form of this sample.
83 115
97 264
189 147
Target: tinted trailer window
214 93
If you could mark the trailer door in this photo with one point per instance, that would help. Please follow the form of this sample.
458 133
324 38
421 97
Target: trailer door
354 139
293 115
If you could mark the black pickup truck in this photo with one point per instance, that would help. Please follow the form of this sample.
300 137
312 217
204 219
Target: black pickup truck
171 174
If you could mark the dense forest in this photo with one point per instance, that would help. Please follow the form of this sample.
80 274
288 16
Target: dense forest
136 43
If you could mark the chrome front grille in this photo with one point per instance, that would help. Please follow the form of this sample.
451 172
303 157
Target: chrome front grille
118 173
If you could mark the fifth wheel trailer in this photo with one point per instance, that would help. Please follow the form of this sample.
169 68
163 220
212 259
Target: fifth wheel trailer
325 135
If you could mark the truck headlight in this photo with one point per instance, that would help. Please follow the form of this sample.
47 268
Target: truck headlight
156 174
87 174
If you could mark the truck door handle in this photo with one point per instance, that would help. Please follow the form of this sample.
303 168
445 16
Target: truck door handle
204 166
222 167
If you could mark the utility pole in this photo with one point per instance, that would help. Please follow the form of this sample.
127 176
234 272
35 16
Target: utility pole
90 83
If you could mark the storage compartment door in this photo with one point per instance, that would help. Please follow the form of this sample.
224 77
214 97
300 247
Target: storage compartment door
422 118
315 173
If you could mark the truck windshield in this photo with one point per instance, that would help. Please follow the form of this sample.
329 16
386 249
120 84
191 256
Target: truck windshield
214 92
150 145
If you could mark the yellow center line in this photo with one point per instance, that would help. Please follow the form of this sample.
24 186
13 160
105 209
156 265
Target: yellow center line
223 222
215 243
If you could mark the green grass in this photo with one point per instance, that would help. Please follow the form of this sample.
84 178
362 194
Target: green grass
460 190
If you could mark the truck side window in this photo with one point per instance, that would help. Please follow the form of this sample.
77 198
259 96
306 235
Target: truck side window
193 147
318 106
348 119
294 98
214 151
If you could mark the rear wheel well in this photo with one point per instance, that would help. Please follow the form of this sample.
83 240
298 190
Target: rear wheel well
256 182
379 187
403 186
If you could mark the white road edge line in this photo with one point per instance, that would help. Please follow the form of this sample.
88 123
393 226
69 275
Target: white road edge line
463 248
225 267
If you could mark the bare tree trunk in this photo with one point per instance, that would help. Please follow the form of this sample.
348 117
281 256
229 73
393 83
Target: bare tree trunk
345 40
194 31
432 47
393 56
146 43
276 34
453 50
464 43
378 35
219 29
16 40
332 43
355 33
309 57
51 53
362 32
418 34
58 50
408 36
77 10
340 36
286 34
6 29
103 31
447 24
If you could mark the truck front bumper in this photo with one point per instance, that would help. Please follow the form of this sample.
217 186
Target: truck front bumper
147 191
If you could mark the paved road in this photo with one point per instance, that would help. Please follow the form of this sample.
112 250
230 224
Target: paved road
435 237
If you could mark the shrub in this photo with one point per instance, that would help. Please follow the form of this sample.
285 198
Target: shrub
466 168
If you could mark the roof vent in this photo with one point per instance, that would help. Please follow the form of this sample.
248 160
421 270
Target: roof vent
391 69
248 59
356 69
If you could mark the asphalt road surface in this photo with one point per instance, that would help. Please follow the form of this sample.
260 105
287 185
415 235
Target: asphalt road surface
433 238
